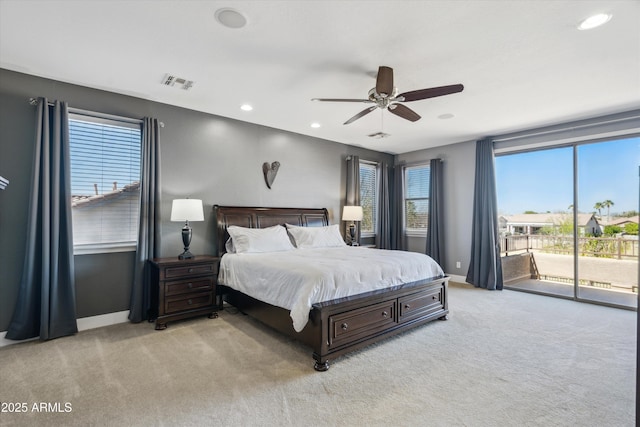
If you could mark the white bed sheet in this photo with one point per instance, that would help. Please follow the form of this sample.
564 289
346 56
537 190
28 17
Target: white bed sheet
297 279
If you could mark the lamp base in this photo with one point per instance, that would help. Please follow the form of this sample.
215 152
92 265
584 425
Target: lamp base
186 255
352 234
186 241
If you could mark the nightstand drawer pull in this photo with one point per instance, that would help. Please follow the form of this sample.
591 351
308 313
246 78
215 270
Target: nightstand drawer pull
190 302
407 306
189 285
191 270
385 314
344 326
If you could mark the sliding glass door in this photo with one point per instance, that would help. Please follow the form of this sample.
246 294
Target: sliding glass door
607 183
569 221
535 198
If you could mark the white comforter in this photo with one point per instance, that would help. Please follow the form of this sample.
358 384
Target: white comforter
297 279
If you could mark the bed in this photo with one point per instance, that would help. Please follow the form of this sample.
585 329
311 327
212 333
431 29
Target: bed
342 323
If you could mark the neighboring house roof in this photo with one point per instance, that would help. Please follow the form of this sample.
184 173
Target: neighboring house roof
546 219
625 220
82 201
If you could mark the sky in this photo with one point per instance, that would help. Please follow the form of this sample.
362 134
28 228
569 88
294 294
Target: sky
542 181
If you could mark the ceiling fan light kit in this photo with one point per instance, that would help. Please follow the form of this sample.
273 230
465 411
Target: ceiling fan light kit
385 96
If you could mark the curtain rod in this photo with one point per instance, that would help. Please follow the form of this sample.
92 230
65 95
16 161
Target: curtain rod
425 162
34 101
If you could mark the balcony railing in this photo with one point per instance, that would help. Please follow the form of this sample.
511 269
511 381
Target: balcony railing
601 247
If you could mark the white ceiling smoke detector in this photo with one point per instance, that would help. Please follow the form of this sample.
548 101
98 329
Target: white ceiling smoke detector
171 80
230 18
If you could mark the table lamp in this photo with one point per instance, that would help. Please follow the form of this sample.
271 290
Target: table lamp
353 214
187 210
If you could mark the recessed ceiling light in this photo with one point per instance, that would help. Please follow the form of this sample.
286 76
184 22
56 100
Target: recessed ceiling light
246 107
230 18
594 21
315 125
446 116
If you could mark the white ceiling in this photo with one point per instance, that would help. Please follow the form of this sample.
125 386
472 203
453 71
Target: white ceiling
523 63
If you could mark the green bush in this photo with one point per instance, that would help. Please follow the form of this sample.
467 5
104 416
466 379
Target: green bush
611 230
631 228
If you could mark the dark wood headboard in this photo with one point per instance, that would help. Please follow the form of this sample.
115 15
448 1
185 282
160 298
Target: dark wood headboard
252 217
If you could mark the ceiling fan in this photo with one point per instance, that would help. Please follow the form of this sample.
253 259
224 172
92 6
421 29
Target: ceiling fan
385 96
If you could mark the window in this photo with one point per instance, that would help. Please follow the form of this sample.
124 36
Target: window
416 198
105 183
368 198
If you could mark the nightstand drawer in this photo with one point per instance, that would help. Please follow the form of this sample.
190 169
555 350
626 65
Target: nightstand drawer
182 286
190 270
189 302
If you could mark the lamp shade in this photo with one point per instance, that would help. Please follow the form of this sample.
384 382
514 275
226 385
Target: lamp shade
352 213
187 210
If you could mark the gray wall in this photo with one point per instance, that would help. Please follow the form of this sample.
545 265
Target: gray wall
458 177
203 156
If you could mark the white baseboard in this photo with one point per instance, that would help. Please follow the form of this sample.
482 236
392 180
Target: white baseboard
5 342
84 324
457 278
103 320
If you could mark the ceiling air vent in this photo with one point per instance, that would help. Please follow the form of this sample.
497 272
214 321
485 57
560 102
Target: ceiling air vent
171 80
378 135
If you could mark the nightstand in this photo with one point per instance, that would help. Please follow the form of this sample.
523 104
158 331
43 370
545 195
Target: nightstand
183 288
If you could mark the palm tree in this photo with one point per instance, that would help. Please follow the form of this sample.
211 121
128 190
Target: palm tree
607 204
598 207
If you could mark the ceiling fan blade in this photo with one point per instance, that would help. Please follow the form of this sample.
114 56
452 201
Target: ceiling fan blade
404 112
384 81
368 101
416 95
360 114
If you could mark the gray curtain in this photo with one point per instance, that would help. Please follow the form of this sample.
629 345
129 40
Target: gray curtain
46 305
435 226
485 267
384 208
149 228
353 190
398 238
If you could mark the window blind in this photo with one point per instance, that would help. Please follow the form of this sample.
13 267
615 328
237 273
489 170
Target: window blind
368 197
105 182
416 200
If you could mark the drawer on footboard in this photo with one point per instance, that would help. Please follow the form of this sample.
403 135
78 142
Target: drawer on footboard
357 324
421 304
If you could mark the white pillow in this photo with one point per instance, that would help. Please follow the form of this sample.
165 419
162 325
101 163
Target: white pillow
270 239
316 237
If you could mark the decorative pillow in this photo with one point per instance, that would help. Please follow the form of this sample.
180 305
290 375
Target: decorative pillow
270 239
316 237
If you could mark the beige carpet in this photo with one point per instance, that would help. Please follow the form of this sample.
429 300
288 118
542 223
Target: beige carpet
503 359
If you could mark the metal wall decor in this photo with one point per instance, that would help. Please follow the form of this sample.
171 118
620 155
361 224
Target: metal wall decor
270 171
